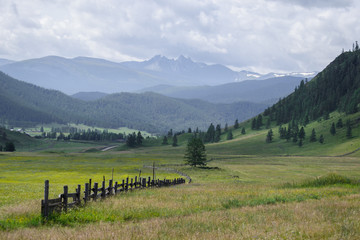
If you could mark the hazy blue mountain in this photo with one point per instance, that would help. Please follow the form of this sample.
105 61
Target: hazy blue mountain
261 91
26 104
84 74
89 96
5 61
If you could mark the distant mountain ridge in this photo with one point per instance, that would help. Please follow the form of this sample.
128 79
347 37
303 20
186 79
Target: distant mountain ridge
26 104
84 74
261 91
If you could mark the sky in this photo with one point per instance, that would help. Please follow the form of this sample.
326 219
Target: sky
256 35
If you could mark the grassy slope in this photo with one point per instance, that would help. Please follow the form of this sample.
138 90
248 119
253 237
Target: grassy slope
246 190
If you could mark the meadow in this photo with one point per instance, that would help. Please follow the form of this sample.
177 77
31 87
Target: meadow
249 190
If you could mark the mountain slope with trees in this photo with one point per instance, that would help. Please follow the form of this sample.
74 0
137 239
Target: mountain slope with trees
337 87
26 103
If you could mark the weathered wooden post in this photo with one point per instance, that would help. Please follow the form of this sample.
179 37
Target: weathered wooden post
45 202
127 184
78 195
86 197
149 182
135 182
96 185
90 187
65 198
103 190
110 189
131 184
116 188
123 185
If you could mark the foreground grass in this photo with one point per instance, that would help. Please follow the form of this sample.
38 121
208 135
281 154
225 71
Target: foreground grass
237 197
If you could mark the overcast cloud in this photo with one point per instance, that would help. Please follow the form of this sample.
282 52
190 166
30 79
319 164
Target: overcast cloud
259 35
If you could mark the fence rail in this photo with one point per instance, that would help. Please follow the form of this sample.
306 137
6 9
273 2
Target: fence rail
93 192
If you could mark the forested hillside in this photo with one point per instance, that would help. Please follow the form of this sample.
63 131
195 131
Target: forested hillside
337 87
26 104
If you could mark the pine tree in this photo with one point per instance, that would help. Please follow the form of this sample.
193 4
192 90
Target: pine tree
226 127
300 143
217 133
321 139
229 135
288 134
332 129
313 135
269 136
253 124
165 141
236 125
195 153
302 133
189 130
243 131
210 134
1 148
174 144
139 139
259 122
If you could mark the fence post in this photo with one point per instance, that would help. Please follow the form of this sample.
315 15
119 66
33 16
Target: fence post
65 198
110 189
96 185
127 184
123 185
131 183
135 181
116 188
90 187
78 193
86 197
45 202
103 190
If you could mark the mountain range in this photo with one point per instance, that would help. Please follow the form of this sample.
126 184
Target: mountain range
25 104
83 74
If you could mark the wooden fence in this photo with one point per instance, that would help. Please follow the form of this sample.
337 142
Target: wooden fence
68 200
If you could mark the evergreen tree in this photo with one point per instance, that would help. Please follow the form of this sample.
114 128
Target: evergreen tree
217 133
170 133
229 135
339 123
259 122
139 139
131 140
189 130
321 139
300 142
9 147
243 131
174 144
302 133
313 135
42 129
253 124
236 125
269 136
165 141
195 153
1 148
332 129
210 134
226 127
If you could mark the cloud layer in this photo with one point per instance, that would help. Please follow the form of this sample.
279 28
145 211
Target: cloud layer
258 35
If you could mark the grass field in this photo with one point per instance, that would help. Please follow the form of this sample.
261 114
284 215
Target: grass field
250 190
